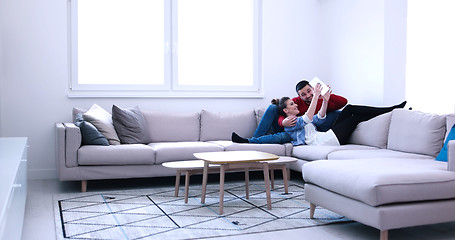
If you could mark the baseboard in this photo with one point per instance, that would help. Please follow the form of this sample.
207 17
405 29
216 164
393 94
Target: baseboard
38 174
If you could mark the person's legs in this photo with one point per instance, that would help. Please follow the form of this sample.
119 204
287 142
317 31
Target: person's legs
352 115
359 110
280 138
343 130
268 121
329 121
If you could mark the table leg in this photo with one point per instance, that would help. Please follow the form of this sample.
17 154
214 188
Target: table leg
272 177
177 183
204 181
247 183
265 169
222 172
285 178
187 184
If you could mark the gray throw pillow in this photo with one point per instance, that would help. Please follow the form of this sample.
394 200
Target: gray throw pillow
90 135
130 125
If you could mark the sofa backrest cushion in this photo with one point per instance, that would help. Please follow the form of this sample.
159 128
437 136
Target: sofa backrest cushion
259 113
416 132
373 132
130 125
172 127
220 125
77 111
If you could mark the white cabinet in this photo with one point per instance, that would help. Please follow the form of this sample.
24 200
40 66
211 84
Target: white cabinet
13 186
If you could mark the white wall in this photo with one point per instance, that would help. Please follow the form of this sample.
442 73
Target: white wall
350 44
365 49
354 39
2 14
395 51
35 83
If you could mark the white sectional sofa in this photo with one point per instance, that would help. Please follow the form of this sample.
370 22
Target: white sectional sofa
387 177
395 181
174 137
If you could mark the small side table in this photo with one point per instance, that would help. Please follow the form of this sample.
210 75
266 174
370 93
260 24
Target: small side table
234 160
189 168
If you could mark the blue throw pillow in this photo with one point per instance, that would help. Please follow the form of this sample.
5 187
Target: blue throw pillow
442 156
90 135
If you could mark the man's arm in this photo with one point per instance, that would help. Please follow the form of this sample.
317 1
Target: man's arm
336 102
326 99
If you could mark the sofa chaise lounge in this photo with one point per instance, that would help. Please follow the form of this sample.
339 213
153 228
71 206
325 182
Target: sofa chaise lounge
401 185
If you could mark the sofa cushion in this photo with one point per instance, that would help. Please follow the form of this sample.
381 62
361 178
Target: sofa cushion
102 120
130 125
125 154
77 111
416 132
378 181
178 151
90 135
259 113
220 125
276 149
373 132
313 152
172 127
373 153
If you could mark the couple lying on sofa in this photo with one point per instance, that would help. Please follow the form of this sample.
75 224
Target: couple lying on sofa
304 129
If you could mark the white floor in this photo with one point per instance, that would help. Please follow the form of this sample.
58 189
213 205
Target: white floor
39 216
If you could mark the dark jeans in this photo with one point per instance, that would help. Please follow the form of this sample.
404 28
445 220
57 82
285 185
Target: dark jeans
269 122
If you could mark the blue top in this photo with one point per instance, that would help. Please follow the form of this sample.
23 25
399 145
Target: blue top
298 132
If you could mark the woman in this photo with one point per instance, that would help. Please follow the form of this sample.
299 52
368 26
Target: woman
304 131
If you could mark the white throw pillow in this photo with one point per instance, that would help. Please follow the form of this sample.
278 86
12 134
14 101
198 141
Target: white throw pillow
102 120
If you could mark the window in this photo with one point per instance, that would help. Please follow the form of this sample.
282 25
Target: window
430 78
163 48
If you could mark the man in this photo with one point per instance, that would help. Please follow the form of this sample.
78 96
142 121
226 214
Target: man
305 94
272 121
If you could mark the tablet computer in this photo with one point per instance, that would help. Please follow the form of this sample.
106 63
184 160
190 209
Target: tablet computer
315 81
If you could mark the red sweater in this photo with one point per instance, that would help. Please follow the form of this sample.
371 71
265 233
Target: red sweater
335 103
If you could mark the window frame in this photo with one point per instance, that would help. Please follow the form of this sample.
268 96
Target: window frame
170 88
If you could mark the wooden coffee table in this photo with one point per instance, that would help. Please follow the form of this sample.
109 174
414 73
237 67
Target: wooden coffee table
192 167
235 160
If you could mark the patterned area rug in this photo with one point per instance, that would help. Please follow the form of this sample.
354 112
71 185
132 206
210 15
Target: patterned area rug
156 214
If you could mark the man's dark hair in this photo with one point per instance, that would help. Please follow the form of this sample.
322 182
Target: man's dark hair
300 85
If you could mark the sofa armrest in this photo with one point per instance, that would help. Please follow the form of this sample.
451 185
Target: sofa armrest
60 146
451 155
73 139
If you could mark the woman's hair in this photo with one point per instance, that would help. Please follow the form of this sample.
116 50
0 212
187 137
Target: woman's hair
281 103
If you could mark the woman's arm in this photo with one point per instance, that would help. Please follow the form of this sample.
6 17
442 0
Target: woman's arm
314 101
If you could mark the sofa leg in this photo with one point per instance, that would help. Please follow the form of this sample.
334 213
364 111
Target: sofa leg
384 235
312 208
84 185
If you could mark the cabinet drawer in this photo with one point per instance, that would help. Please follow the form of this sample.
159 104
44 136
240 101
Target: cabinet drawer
12 219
